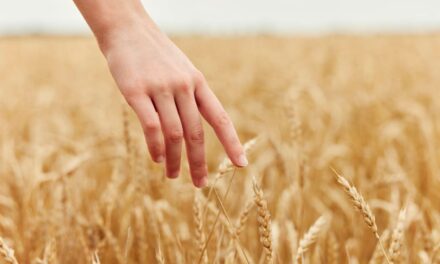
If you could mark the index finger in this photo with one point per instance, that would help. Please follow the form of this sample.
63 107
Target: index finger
213 111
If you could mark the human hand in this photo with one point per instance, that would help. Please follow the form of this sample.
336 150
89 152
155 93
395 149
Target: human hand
167 93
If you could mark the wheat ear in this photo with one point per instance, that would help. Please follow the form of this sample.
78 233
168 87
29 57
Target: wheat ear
200 235
362 206
309 238
397 237
244 215
7 253
264 221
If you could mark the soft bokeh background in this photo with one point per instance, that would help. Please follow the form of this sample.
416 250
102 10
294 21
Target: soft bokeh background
76 184
232 16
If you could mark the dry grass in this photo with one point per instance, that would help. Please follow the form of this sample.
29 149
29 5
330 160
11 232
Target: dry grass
77 186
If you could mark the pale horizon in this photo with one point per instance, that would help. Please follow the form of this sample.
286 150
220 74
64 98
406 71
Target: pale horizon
243 16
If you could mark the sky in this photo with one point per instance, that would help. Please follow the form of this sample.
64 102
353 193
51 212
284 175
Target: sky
237 16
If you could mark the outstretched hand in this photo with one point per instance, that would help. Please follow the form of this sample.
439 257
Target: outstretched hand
167 93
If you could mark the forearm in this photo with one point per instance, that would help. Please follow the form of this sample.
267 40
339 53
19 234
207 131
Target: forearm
107 16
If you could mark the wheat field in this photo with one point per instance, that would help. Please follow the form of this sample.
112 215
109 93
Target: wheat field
343 142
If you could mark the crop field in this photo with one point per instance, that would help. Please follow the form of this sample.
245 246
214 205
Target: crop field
343 140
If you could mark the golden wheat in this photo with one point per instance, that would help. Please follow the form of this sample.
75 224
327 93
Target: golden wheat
394 251
264 221
76 178
360 204
309 238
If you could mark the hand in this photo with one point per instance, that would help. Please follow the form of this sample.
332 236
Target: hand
167 93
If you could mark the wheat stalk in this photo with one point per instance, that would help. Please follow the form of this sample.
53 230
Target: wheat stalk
95 258
113 242
264 221
309 238
160 259
50 252
139 235
360 204
211 232
225 167
377 257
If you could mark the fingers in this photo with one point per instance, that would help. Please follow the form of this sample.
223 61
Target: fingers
194 138
172 132
213 112
175 112
149 119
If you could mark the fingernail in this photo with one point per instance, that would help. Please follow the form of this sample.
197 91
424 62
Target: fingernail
174 175
242 160
160 159
202 182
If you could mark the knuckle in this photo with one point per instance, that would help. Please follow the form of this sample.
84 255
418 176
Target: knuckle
161 89
131 97
151 127
131 88
222 119
181 83
198 164
184 85
198 78
197 135
175 136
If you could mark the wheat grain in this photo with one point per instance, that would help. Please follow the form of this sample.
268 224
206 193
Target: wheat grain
264 221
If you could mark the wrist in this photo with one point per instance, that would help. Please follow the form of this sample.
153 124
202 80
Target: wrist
111 33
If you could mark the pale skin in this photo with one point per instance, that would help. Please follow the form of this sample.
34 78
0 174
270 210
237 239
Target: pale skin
162 86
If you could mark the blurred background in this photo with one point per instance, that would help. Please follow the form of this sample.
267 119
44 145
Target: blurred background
77 186
232 16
